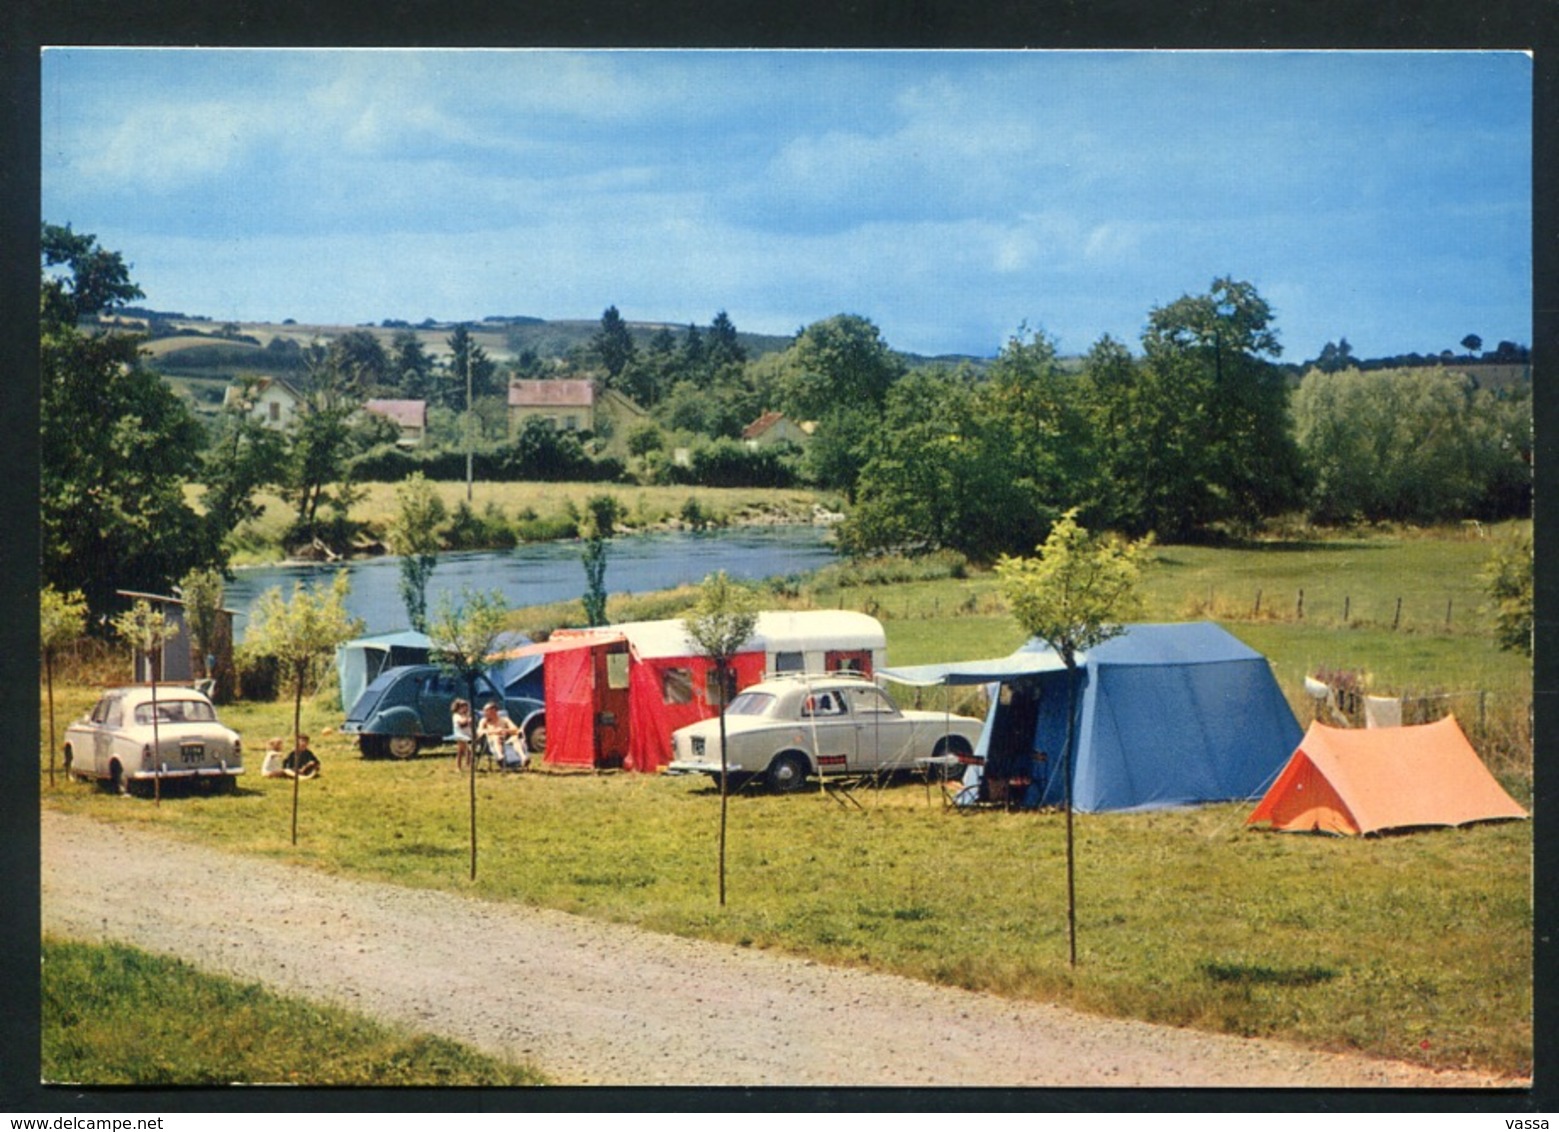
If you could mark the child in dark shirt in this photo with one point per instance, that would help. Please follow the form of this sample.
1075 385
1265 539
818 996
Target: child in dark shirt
302 762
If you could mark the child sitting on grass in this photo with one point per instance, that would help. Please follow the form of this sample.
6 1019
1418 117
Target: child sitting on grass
302 762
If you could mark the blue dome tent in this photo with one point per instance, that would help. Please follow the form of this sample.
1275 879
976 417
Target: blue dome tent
1168 715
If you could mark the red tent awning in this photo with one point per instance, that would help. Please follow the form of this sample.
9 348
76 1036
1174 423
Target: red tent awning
558 644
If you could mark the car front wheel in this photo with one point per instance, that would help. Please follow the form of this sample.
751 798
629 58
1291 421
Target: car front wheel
403 746
536 738
788 773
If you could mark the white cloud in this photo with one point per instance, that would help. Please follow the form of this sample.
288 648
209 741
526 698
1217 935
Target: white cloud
159 144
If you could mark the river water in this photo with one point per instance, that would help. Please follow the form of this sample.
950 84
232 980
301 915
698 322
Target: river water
538 573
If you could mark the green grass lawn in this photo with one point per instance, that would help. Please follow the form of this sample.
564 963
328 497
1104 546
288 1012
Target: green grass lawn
1416 946
115 1015
1379 945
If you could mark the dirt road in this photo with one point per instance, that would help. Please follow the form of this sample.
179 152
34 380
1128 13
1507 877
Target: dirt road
596 1003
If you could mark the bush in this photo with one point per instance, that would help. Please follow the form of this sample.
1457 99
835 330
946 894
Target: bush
1508 579
259 674
551 528
729 463
891 569
490 530
696 516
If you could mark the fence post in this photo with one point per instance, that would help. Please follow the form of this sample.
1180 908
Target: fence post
1300 611
1448 612
1483 697
1257 611
1397 620
1346 602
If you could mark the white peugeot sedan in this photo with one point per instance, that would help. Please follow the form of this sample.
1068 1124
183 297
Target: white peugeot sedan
129 740
788 729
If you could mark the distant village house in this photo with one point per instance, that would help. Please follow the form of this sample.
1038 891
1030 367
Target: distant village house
272 401
775 428
567 404
411 417
572 405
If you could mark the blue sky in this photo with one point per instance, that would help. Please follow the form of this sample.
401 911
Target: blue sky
951 197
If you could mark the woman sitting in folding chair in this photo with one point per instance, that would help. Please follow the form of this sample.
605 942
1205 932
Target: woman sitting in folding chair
501 739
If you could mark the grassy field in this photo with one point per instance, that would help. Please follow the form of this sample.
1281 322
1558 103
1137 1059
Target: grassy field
114 1015
1415 946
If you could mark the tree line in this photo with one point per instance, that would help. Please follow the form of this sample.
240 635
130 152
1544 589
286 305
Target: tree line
1200 433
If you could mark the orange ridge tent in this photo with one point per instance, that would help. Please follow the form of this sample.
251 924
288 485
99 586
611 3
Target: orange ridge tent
1354 782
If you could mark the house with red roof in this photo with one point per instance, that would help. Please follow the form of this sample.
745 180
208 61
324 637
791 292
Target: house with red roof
775 428
411 417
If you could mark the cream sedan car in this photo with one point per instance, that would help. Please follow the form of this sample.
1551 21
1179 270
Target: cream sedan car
790 729
132 738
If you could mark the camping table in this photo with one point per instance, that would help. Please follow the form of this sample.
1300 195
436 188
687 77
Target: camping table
941 764
841 787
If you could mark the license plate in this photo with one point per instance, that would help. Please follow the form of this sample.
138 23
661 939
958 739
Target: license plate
193 752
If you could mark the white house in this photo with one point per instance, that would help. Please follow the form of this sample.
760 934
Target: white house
775 428
273 401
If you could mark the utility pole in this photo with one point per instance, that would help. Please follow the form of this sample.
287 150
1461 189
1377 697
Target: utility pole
470 425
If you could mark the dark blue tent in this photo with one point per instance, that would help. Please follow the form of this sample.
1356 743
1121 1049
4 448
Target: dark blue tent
359 662
1168 715
518 676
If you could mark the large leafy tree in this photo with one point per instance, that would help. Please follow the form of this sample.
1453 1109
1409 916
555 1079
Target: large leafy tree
242 457
1040 421
359 355
943 471
840 362
318 447
118 446
1214 422
838 373
1112 389
1415 445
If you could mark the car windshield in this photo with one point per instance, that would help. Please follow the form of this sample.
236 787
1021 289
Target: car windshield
176 711
749 703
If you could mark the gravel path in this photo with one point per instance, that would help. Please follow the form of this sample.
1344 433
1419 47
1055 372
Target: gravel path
603 1004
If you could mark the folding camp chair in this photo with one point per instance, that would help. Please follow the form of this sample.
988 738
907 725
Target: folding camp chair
492 750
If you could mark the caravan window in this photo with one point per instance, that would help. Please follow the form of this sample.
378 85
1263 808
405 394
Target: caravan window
676 685
790 662
617 671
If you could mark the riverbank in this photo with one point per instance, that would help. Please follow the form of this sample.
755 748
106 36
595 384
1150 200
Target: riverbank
535 574
499 516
